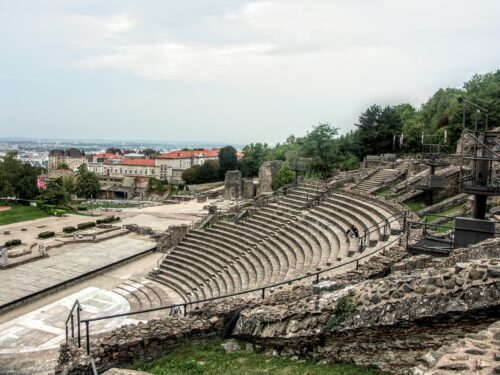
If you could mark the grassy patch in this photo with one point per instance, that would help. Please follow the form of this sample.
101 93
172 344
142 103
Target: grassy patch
445 227
211 359
384 192
415 206
21 213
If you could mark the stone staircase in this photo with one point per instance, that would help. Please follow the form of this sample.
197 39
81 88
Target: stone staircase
376 180
283 240
143 294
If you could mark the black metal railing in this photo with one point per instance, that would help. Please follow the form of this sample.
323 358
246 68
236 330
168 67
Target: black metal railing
262 290
443 233
76 308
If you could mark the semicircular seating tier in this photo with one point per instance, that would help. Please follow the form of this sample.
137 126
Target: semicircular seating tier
281 241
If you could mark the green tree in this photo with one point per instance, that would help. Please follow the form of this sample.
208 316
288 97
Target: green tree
87 183
254 155
285 176
228 160
18 178
190 175
377 128
319 145
54 194
208 172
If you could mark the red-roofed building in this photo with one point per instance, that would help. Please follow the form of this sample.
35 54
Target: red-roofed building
173 163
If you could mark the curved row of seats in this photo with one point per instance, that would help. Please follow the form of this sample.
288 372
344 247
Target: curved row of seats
281 241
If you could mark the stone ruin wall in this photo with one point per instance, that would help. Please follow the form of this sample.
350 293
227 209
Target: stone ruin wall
402 322
267 174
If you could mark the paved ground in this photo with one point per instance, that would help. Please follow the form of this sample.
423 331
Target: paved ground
34 277
44 328
51 223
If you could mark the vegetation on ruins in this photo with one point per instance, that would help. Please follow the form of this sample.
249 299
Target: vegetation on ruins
344 309
284 176
46 234
13 242
86 225
209 358
157 186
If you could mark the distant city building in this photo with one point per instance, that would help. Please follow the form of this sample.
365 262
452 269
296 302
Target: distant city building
172 164
72 157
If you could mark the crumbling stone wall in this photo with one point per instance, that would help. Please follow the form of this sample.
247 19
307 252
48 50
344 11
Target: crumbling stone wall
172 237
267 174
248 189
232 185
143 340
394 320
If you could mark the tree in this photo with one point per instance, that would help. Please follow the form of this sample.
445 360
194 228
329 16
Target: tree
64 166
228 160
17 178
319 145
54 194
285 176
87 183
208 172
190 175
377 128
254 155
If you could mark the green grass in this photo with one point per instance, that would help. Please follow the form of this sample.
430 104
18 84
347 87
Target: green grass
433 217
445 227
383 192
211 359
415 206
21 213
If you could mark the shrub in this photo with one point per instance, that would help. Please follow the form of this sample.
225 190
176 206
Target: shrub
86 225
106 220
46 234
344 309
81 208
13 243
69 229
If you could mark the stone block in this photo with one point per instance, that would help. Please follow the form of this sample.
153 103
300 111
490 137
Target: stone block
267 175
326 286
232 185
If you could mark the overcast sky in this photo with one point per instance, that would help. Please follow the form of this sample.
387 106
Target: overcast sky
229 70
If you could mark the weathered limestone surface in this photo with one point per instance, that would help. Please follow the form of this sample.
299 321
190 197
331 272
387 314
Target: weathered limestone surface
172 237
267 174
477 353
248 189
232 185
393 322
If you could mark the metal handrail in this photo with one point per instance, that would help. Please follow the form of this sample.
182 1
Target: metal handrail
70 317
260 289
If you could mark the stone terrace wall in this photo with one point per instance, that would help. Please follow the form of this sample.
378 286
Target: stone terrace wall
144 340
393 322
